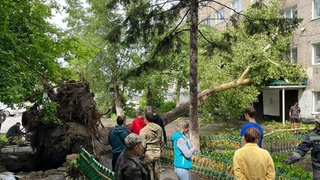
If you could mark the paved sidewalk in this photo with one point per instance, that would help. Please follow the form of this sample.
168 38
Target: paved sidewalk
166 174
15 149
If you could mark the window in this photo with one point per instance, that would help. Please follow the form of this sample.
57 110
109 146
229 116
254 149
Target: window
292 55
208 21
220 16
203 3
291 13
237 6
255 1
316 54
316 101
316 8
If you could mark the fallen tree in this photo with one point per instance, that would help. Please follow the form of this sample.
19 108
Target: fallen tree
183 109
79 122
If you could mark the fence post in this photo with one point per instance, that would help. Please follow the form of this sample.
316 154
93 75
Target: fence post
277 173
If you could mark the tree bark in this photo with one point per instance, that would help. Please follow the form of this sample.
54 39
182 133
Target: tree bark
117 101
177 92
183 109
149 99
193 79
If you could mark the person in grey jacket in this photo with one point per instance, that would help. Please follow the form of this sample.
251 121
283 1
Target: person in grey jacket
116 139
311 141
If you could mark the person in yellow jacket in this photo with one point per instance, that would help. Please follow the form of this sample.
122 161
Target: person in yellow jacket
252 162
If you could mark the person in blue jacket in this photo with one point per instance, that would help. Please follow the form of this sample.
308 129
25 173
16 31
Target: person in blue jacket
116 139
250 114
182 150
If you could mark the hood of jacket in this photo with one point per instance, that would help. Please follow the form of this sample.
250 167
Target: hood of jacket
176 135
119 129
140 120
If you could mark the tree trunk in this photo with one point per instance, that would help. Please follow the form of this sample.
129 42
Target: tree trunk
176 97
183 109
117 100
149 99
193 79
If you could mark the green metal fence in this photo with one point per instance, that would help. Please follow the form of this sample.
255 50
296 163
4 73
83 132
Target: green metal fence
92 169
221 166
281 145
272 144
218 167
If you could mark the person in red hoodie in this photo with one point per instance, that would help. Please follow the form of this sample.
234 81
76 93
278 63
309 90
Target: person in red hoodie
137 124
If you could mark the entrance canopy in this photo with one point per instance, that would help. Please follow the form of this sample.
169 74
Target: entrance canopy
282 85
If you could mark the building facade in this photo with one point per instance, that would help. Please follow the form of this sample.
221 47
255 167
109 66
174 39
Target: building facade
276 100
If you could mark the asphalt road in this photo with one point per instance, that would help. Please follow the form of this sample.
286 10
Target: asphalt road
10 121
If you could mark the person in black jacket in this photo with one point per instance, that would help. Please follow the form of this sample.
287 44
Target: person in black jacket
116 139
158 120
14 133
24 121
311 141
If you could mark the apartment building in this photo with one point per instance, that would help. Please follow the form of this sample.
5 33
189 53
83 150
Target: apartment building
276 100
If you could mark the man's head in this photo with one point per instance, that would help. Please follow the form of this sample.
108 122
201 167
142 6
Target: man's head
252 135
133 143
250 113
296 104
139 113
121 120
18 123
154 111
149 117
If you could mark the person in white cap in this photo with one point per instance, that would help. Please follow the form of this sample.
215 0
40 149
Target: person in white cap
311 141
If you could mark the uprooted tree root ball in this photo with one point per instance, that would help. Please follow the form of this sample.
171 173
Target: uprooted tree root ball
81 126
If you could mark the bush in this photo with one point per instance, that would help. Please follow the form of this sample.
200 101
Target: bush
166 106
130 112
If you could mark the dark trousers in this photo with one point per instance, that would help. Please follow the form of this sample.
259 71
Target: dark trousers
316 174
114 160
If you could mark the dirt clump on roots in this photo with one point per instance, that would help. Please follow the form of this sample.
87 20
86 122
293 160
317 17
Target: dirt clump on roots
79 126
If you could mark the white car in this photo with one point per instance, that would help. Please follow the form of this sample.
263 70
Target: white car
7 110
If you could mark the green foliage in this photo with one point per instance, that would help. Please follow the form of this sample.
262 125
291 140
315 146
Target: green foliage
73 168
223 146
157 99
123 51
113 116
166 106
146 45
219 106
130 112
143 102
290 170
3 138
51 109
29 47
241 46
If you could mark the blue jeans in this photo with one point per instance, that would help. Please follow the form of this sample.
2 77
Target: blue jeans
183 174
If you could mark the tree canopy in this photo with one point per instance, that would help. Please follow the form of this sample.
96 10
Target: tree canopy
256 38
123 46
29 50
